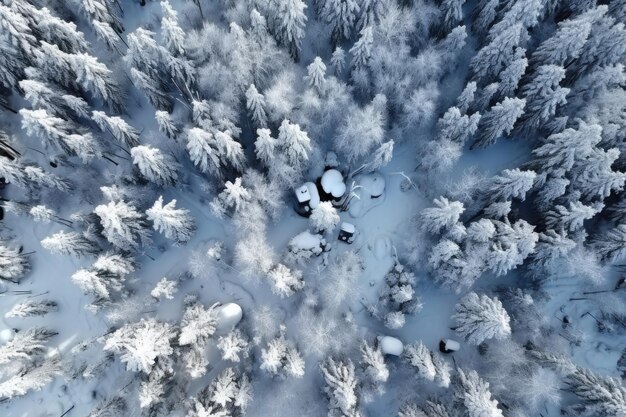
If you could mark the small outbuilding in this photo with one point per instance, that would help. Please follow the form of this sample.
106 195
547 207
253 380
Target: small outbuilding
308 198
449 346
391 346
347 232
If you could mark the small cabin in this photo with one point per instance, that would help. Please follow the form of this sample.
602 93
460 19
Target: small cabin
449 346
307 198
347 232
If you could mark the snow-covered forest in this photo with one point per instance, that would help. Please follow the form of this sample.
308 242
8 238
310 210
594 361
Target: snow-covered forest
342 208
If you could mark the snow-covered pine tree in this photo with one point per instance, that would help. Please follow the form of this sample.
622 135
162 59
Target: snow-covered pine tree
341 15
123 225
324 217
452 13
33 308
430 408
164 289
611 245
498 121
115 406
229 394
485 15
173 34
59 133
361 51
465 99
599 395
509 78
456 127
234 197
166 124
419 357
511 183
197 325
571 218
525 13
371 12
81 70
285 282
479 317
373 361
265 146
53 99
398 297
233 346
175 223
33 377
543 95
25 345
141 343
202 150
367 124
497 54
105 32
294 141
153 89
606 44
341 387
288 24
255 104
102 11
13 263
474 395
281 358
565 44
154 165
316 73
338 60
118 127
445 215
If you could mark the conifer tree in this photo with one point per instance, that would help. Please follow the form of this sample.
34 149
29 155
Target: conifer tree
473 393
374 363
154 165
316 72
361 51
123 226
118 127
543 95
611 245
255 103
456 127
341 385
341 15
289 21
285 281
141 343
197 325
498 121
445 215
13 264
166 124
497 54
479 317
452 13
599 396
175 223
71 243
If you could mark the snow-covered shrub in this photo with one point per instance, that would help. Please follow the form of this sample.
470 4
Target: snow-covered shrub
398 297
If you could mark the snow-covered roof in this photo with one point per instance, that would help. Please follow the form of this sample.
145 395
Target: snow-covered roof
332 183
314 194
348 227
228 316
306 240
391 346
303 195
452 345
